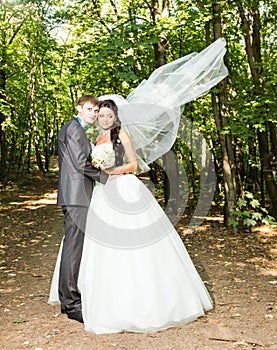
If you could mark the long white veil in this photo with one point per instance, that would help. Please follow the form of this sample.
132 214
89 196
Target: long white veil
151 112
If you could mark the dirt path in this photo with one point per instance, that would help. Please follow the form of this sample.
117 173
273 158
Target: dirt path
240 272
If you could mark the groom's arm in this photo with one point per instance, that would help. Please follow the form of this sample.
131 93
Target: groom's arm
79 149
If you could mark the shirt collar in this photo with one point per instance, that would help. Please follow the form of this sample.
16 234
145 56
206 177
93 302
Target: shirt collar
83 124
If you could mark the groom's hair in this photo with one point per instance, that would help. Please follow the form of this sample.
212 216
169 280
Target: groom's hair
87 98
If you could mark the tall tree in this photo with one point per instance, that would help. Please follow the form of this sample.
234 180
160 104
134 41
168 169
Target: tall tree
12 21
159 10
221 115
251 28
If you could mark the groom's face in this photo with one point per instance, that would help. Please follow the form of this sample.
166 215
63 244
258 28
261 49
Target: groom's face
88 112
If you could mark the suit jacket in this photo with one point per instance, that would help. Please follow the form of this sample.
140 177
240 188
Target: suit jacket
76 174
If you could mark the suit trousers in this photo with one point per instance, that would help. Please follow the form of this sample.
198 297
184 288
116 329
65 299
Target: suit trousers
74 231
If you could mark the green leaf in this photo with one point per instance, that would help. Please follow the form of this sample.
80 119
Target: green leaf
264 210
256 216
246 213
241 202
254 203
265 221
249 195
249 222
233 223
269 220
20 320
238 213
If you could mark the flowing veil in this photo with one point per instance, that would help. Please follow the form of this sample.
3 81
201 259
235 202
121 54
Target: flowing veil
151 112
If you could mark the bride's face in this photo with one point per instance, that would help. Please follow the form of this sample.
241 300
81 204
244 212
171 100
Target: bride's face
106 118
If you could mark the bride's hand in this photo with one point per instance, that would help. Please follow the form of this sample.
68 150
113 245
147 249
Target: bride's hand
112 171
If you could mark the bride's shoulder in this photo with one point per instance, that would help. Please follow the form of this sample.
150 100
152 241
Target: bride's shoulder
124 136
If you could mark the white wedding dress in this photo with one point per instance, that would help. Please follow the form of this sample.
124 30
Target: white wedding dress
135 273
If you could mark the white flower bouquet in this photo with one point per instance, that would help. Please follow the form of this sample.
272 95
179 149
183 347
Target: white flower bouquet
102 156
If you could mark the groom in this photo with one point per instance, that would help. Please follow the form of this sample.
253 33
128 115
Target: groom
76 181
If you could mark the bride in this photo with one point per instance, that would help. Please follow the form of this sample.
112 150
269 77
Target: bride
135 273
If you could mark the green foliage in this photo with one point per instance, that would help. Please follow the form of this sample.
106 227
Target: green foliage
54 51
250 213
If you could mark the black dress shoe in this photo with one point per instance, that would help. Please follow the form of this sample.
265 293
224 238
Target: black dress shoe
75 315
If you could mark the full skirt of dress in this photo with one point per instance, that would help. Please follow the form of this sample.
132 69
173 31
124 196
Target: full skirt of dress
135 274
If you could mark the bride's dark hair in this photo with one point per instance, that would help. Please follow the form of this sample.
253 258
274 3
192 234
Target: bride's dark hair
117 145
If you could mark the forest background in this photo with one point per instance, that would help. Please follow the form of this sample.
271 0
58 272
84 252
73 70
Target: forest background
54 51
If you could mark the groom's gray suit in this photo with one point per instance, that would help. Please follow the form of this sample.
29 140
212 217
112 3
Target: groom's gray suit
76 181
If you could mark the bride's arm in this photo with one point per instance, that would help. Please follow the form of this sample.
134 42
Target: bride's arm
130 154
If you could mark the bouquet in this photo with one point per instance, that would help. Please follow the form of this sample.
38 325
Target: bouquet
102 156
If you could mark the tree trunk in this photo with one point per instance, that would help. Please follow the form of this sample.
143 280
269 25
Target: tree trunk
170 164
213 146
229 181
3 141
252 171
221 119
273 141
192 163
3 145
240 169
268 174
46 131
171 182
34 115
